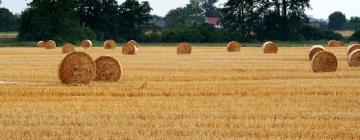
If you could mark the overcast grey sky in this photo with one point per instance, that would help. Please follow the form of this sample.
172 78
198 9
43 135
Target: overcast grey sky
320 8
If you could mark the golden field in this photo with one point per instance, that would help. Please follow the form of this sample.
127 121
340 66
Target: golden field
211 94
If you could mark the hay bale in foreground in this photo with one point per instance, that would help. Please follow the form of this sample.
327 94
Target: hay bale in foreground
76 68
50 44
334 43
133 42
314 50
40 44
110 44
86 44
68 48
184 48
352 48
324 62
108 69
233 46
129 49
354 58
270 47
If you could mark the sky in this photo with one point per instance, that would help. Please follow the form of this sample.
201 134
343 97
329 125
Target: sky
320 8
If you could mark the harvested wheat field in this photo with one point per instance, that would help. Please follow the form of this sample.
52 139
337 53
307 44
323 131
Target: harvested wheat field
210 94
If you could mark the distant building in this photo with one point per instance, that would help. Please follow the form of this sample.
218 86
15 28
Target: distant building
213 18
215 21
317 22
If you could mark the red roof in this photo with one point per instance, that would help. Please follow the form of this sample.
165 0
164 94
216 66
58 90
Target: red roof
213 20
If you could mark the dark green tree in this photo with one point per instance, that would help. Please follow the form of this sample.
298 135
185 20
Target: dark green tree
353 23
134 17
355 36
177 18
337 21
284 19
113 21
209 7
101 16
243 15
50 19
191 14
8 21
266 19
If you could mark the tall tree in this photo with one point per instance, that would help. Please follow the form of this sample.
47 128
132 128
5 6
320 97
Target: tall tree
191 14
52 19
177 18
113 21
284 19
134 17
101 16
195 11
8 21
353 23
266 19
242 15
337 21
209 7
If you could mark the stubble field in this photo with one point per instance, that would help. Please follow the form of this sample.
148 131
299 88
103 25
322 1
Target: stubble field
210 94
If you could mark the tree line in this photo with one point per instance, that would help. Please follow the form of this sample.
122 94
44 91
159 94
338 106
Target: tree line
245 20
8 21
338 21
242 20
74 20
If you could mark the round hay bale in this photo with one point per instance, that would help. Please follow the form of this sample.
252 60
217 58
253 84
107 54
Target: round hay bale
108 69
129 49
352 48
270 47
354 58
324 62
314 50
109 44
50 44
184 48
341 43
76 68
68 48
334 43
233 46
40 44
352 43
136 44
86 44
